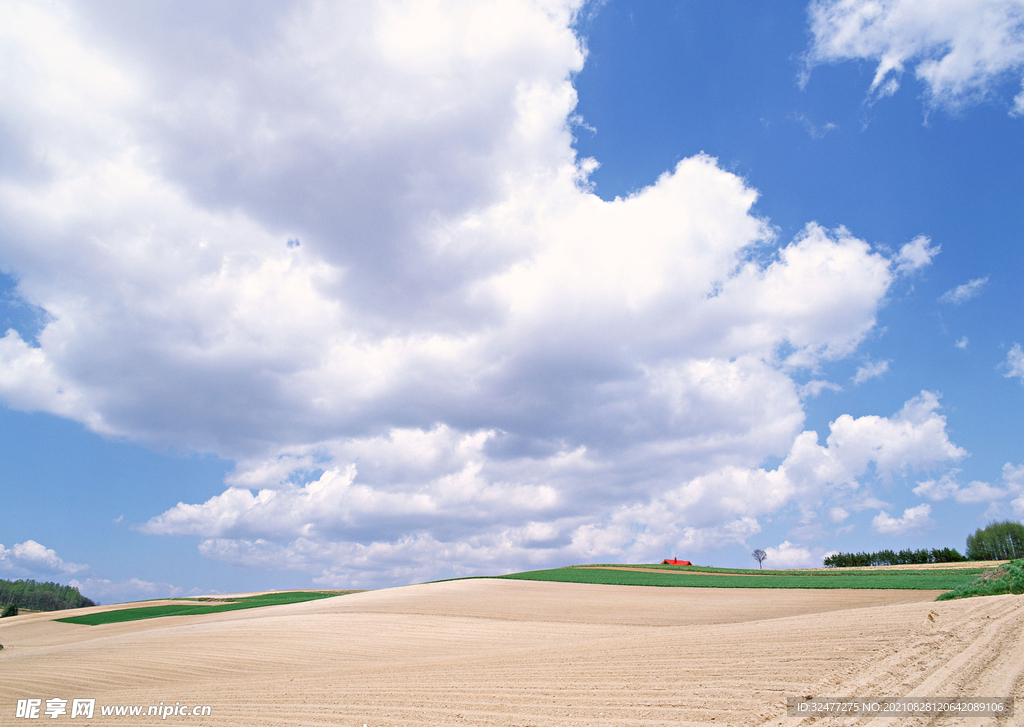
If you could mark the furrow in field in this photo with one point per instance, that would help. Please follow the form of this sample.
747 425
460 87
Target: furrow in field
969 648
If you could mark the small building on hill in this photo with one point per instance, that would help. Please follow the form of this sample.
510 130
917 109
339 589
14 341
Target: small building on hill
673 561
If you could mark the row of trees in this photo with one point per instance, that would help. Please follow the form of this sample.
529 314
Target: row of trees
892 557
997 541
40 596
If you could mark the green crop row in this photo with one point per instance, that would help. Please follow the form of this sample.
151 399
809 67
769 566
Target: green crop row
925 580
191 609
797 572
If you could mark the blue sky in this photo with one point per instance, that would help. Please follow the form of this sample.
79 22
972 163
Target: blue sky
367 295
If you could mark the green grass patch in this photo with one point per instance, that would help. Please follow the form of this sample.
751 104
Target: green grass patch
192 609
702 577
1007 578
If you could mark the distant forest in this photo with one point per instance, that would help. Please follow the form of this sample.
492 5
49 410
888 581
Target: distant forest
41 596
891 557
996 541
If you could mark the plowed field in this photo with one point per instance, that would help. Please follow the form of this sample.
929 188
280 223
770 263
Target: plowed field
504 652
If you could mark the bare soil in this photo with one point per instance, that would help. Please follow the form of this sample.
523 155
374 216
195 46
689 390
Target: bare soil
505 652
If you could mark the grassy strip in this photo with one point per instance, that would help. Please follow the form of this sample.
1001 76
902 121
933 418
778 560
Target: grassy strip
1007 578
801 572
191 609
923 580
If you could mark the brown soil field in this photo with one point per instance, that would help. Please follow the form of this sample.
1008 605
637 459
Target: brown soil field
525 653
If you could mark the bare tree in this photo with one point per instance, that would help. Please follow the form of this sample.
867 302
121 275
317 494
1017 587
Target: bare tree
759 556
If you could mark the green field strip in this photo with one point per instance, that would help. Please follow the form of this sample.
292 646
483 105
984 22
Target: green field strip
192 609
801 572
922 580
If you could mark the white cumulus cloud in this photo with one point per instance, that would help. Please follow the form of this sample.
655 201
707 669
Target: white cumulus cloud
32 558
914 518
975 491
959 49
791 555
351 248
915 438
916 254
419 504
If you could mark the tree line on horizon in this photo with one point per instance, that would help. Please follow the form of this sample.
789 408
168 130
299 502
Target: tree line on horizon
892 557
37 596
996 541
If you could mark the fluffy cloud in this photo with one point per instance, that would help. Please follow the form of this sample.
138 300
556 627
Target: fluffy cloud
423 504
915 438
1014 366
447 477
351 248
32 558
963 293
916 254
790 555
959 49
838 514
976 491
450 267
870 370
914 518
